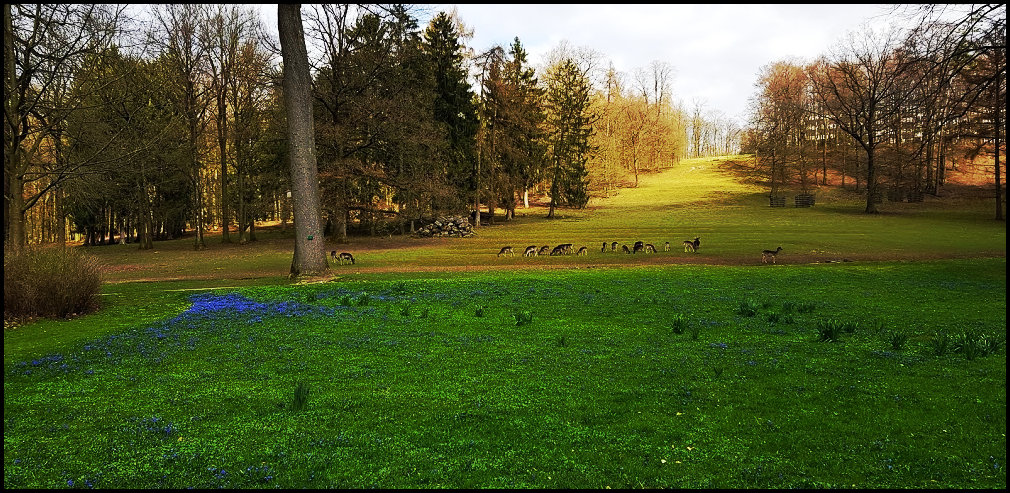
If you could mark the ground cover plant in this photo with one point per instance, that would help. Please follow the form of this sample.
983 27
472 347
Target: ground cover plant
578 378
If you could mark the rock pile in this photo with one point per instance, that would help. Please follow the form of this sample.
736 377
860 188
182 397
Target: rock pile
457 226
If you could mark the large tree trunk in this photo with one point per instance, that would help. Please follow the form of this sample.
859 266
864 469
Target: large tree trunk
309 256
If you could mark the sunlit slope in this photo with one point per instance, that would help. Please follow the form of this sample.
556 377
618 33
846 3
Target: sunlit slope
696 198
701 198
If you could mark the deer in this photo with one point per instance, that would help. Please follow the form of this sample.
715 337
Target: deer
558 250
666 247
769 254
583 251
544 250
604 249
506 251
613 247
692 245
566 248
650 248
625 248
531 251
639 246
344 256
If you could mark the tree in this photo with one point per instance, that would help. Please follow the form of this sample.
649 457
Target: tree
44 45
860 90
570 125
309 256
188 58
454 103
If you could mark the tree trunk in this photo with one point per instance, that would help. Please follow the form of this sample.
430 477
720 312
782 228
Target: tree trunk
871 181
997 128
222 140
309 256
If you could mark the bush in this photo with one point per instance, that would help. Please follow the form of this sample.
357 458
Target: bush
50 282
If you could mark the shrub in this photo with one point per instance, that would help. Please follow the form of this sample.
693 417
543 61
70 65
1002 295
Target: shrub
806 307
695 331
773 317
479 312
50 282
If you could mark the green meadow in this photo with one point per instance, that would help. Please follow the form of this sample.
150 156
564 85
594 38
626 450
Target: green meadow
872 354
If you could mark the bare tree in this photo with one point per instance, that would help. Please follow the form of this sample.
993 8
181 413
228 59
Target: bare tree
309 256
860 90
44 46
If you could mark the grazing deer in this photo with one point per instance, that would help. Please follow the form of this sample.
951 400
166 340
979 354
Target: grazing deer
544 250
625 248
604 249
613 247
770 254
639 246
531 251
692 245
344 256
566 248
666 247
506 251
650 248
558 250
583 251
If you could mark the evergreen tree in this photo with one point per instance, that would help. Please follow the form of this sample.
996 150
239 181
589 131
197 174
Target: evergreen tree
454 102
570 125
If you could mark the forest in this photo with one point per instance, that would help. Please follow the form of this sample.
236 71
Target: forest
133 126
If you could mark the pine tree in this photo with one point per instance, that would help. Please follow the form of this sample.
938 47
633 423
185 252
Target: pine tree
454 102
569 123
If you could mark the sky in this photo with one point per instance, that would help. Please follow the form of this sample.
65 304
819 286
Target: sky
716 51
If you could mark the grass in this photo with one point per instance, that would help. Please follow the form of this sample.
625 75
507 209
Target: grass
432 363
593 389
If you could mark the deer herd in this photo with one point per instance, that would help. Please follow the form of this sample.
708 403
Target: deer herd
568 249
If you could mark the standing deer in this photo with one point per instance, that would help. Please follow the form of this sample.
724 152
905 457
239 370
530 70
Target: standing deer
692 245
531 251
604 249
342 257
769 254
666 247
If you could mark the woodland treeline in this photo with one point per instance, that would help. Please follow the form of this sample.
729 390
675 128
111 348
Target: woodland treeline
153 122
119 130
889 111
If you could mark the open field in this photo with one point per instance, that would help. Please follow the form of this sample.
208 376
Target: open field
433 363
695 199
